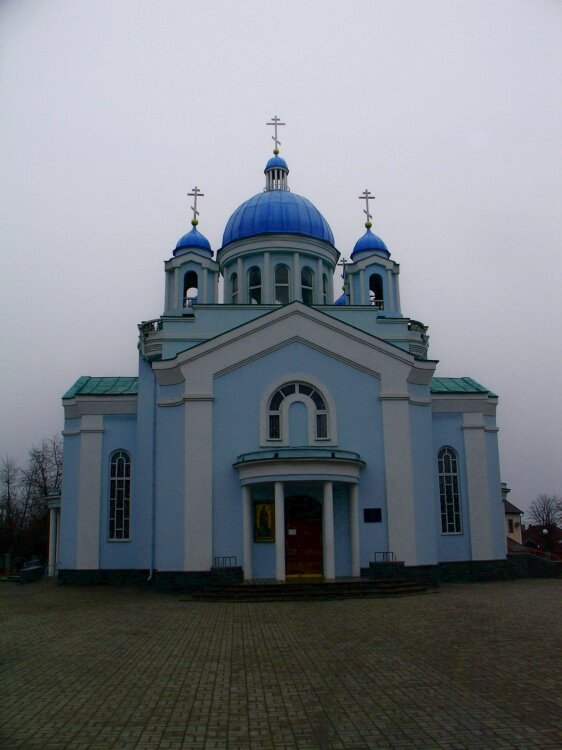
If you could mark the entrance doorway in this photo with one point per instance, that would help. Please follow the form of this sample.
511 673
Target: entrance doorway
303 536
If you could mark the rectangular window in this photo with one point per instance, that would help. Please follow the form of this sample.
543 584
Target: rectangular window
274 427
321 426
510 525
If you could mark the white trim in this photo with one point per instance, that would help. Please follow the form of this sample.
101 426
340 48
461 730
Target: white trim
336 469
279 531
328 531
89 493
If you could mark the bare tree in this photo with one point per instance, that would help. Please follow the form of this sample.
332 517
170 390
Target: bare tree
546 510
23 491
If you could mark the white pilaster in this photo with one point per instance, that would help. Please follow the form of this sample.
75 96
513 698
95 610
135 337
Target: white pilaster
318 297
89 493
247 531
362 287
482 546
328 531
242 286
267 281
198 484
354 529
389 302
296 278
52 542
202 293
399 479
279 531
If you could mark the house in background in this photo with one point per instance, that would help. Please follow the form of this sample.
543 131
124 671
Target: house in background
512 517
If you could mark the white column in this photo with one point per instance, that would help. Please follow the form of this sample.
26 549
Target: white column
177 295
52 541
279 531
354 529
397 291
247 531
328 531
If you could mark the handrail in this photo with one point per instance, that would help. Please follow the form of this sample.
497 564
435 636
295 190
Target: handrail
386 556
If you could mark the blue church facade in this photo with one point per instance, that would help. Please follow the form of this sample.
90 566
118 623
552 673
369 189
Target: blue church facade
278 429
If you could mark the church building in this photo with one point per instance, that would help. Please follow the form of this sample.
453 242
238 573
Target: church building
278 430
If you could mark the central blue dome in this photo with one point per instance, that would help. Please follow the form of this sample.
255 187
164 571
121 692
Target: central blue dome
277 212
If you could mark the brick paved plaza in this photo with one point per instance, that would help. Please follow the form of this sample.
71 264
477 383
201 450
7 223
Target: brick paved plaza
474 666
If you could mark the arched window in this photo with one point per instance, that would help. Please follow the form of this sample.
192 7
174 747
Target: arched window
120 496
254 286
281 285
190 288
318 403
307 285
449 495
234 288
376 297
324 289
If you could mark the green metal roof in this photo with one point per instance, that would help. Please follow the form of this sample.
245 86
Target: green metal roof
458 385
88 386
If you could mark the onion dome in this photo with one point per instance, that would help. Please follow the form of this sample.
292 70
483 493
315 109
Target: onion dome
193 240
277 211
370 243
341 300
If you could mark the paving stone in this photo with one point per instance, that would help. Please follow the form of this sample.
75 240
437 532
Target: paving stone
475 667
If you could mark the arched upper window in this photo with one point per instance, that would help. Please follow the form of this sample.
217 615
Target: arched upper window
281 285
449 494
120 496
307 286
254 286
376 295
324 289
190 288
234 288
304 389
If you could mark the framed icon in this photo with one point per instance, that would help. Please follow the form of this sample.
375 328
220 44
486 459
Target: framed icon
264 522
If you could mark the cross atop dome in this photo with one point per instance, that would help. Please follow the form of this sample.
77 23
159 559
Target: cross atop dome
195 194
367 196
276 122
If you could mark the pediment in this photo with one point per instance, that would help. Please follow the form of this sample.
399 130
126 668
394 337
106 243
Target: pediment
292 323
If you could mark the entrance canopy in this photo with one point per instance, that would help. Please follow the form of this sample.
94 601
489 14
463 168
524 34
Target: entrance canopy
324 464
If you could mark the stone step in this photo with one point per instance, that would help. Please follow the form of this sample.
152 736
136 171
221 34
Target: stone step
307 591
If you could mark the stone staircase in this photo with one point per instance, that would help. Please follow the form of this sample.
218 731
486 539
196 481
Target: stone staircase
303 590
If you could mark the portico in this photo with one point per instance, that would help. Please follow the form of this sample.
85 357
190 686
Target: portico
298 484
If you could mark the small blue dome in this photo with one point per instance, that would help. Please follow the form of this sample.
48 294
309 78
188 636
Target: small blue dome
277 212
342 300
369 242
193 240
276 162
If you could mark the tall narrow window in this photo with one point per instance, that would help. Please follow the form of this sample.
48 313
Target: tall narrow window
324 289
281 285
307 285
120 496
376 297
234 288
449 492
254 286
190 291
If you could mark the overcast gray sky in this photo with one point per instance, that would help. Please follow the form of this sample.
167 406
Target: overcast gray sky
450 112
